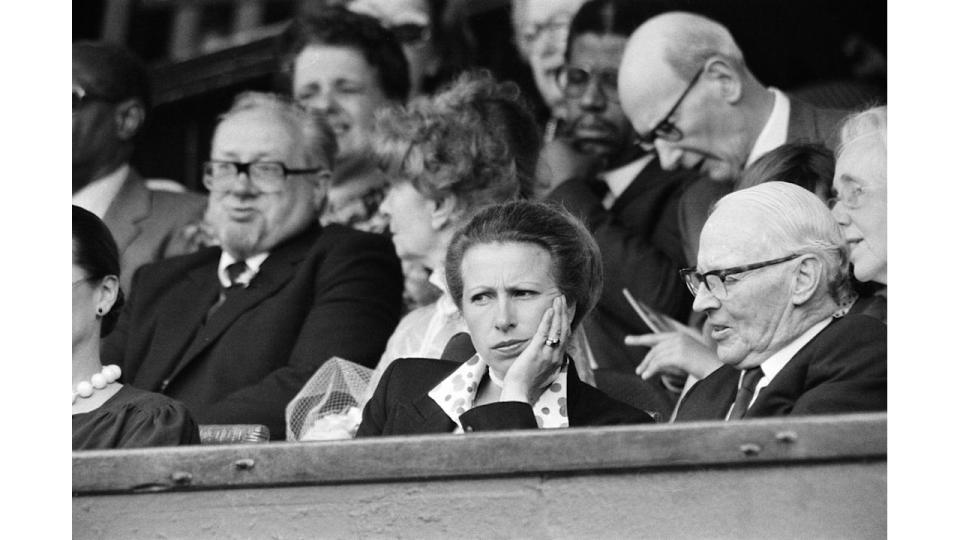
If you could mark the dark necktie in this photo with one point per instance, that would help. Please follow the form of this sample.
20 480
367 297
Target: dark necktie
745 393
234 271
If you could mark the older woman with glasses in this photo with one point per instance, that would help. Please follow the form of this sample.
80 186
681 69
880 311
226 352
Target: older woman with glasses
861 204
107 414
523 275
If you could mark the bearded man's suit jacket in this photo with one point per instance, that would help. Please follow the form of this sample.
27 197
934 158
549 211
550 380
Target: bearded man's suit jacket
325 292
146 223
843 369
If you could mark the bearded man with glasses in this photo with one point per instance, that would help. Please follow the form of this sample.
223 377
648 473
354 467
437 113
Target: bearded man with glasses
770 276
234 331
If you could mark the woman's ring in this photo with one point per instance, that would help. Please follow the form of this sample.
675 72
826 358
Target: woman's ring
552 343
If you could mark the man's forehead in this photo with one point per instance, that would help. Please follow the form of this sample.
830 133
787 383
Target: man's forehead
733 235
647 85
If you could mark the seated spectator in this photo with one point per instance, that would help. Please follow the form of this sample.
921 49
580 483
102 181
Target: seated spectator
107 414
234 331
687 352
689 92
111 99
627 201
524 275
540 31
808 165
447 157
770 300
347 66
861 204
418 27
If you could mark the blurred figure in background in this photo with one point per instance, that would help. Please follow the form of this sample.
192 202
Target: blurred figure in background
625 198
861 203
540 30
347 66
107 414
111 99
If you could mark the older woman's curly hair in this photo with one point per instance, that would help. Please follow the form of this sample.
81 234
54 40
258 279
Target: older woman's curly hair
475 140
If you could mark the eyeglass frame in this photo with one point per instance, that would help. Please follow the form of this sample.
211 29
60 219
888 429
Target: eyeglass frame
688 274
531 32
83 97
244 168
613 97
857 192
665 129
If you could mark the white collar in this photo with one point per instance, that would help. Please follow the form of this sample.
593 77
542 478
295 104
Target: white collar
457 393
774 132
253 266
97 195
445 303
773 365
619 179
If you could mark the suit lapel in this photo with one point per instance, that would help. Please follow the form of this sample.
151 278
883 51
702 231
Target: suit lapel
131 205
276 271
177 323
423 416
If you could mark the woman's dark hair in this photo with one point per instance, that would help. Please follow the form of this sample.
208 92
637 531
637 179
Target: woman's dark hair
339 27
577 267
617 17
808 165
95 251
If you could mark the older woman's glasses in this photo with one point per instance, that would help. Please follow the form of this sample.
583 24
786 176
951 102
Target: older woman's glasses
665 129
715 280
574 81
850 194
267 176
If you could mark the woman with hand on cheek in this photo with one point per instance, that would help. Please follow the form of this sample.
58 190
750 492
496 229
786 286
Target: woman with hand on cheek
523 275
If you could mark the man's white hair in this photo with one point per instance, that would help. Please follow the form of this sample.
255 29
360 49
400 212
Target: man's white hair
796 221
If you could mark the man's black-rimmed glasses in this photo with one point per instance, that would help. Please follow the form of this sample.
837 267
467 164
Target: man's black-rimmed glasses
665 129
716 279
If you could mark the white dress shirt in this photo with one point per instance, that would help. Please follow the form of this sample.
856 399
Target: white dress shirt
774 132
97 195
619 179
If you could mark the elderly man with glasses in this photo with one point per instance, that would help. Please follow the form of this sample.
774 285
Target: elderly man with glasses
690 95
770 277
235 331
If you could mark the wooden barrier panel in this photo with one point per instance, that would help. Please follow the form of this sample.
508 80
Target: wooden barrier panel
777 478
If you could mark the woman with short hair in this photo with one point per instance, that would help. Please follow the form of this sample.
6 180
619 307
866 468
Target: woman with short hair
107 414
523 275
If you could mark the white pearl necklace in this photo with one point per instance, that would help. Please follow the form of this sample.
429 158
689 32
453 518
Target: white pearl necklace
99 381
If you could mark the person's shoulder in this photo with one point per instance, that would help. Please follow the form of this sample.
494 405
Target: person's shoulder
855 329
176 266
417 375
147 404
339 236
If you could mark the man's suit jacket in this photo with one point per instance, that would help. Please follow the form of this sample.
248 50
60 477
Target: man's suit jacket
145 223
843 369
639 240
326 292
400 405
807 124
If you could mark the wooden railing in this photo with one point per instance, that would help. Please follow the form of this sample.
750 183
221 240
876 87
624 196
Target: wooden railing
776 478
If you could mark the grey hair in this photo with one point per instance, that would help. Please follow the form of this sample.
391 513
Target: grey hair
320 142
866 126
689 40
796 221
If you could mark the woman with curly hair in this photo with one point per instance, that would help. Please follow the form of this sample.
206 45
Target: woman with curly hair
473 144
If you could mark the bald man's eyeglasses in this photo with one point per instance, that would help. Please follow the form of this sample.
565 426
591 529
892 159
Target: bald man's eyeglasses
665 129
716 280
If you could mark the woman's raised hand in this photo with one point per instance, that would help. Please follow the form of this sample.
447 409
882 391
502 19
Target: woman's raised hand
537 365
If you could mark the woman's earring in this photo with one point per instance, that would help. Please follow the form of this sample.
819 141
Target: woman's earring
99 312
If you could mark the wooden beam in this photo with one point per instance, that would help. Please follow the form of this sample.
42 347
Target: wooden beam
791 441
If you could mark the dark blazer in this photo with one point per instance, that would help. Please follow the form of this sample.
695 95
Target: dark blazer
145 223
639 240
400 405
326 292
806 124
841 370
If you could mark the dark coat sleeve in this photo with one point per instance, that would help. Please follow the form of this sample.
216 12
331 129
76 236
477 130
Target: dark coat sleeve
355 306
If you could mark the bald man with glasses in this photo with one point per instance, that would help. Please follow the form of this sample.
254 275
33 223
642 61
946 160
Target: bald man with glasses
771 277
